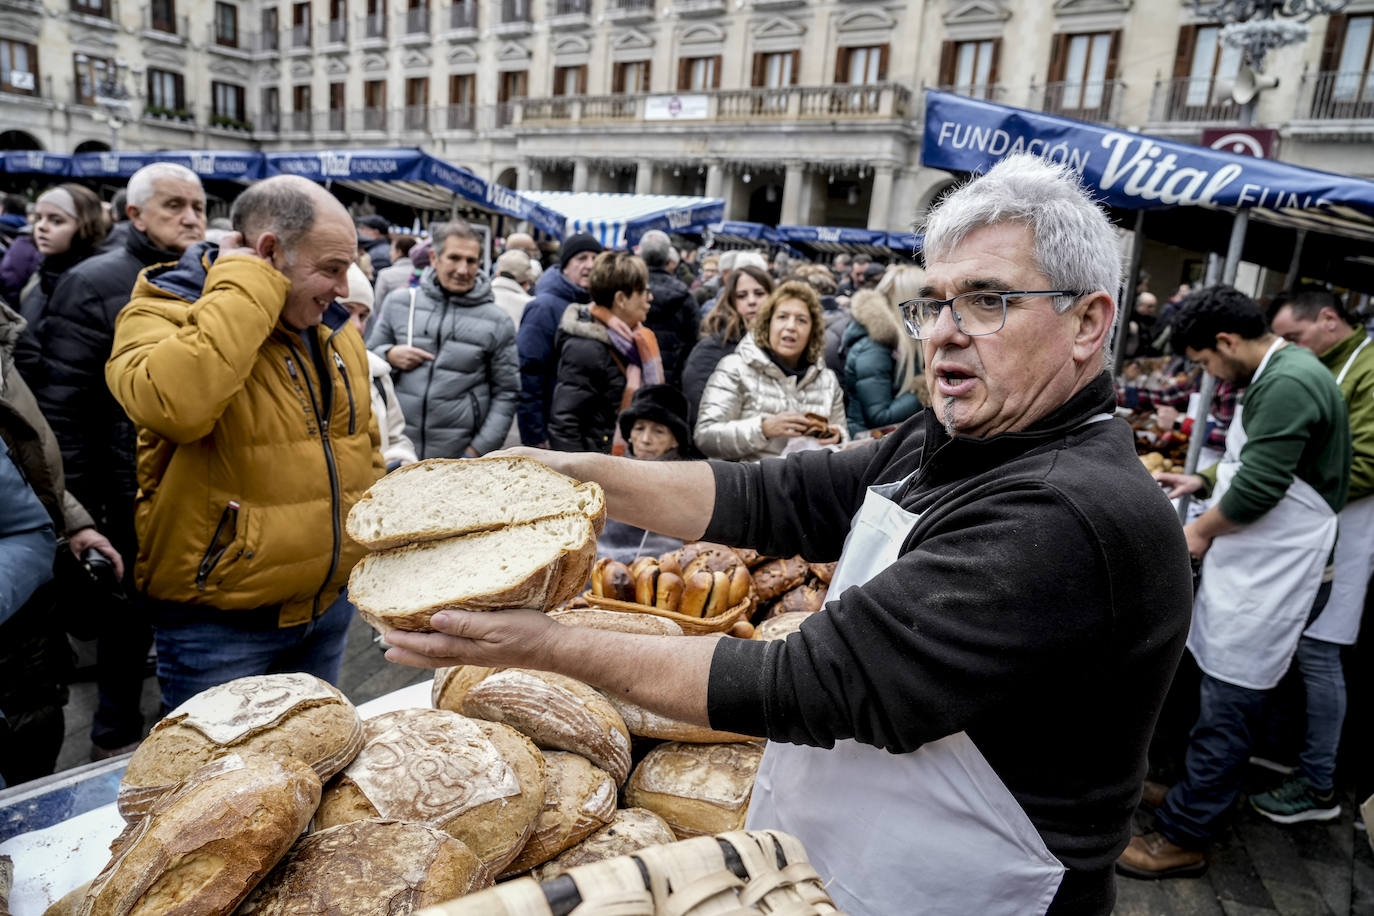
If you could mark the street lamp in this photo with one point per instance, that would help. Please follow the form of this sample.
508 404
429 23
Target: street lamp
111 96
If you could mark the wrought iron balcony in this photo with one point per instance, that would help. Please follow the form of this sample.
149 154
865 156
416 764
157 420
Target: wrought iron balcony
1096 100
1190 100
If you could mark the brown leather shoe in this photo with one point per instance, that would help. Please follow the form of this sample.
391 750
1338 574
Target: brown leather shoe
1152 794
1151 857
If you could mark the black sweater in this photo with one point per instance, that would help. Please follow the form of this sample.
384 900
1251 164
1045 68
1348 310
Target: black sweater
1040 604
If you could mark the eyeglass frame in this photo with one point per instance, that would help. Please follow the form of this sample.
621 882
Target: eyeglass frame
904 307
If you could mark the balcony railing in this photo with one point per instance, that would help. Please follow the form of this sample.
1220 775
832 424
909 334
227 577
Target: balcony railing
460 117
516 11
630 10
417 21
300 36
1087 101
570 7
462 15
101 9
157 24
699 7
865 102
371 119
299 122
374 26
336 120
267 122
1335 96
236 40
415 118
268 40
334 32
988 92
1190 100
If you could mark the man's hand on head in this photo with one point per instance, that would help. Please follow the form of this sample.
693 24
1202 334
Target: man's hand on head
517 638
232 243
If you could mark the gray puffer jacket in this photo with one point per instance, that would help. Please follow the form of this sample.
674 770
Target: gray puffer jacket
466 395
748 386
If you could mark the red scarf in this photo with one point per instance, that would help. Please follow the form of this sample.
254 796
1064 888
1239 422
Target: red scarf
641 364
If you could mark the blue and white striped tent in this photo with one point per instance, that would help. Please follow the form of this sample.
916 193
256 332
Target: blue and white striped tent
620 220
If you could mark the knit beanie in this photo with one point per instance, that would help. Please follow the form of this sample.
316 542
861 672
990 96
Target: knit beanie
576 244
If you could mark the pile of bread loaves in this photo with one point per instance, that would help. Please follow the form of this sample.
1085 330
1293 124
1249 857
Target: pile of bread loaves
268 796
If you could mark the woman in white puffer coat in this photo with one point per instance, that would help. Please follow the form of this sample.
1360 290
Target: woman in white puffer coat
756 400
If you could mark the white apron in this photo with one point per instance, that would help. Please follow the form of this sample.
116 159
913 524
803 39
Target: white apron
1258 583
934 831
1339 621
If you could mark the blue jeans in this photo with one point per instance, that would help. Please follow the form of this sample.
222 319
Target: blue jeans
195 656
1218 749
1324 678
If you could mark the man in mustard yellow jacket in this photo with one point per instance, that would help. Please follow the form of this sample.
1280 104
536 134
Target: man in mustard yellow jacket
249 386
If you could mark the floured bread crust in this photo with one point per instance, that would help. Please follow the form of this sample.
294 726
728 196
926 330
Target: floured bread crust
556 712
481 782
285 715
579 799
697 788
645 724
632 829
619 621
70 903
781 626
366 868
204 844
452 684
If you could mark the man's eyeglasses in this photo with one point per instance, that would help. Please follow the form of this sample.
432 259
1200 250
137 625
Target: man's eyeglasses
975 314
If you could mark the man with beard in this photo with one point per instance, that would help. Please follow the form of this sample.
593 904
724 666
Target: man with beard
1266 547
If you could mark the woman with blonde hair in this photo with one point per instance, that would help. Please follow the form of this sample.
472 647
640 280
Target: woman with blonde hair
882 380
758 398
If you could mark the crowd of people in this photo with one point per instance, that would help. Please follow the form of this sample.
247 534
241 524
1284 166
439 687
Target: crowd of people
197 402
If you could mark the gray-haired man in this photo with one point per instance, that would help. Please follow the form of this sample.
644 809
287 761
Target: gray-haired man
673 312
165 205
964 726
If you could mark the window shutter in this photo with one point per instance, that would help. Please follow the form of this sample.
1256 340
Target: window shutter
882 63
648 76
796 66
842 66
757 78
1187 47
1332 44
949 54
993 67
684 71
618 79
718 65
1059 52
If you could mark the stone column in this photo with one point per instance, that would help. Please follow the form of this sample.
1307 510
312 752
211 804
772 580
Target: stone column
579 175
644 176
880 203
793 195
522 176
715 181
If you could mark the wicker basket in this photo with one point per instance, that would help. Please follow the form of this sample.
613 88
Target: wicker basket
746 871
692 626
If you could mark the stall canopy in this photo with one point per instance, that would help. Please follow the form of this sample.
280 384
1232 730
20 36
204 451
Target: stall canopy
620 220
35 162
845 240
1134 171
239 165
414 178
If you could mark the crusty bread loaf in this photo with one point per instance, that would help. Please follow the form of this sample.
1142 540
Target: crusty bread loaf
697 788
442 498
579 799
70 903
297 715
619 621
823 571
645 724
781 626
204 844
556 712
452 684
481 782
540 564
778 576
806 599
367 868
632 829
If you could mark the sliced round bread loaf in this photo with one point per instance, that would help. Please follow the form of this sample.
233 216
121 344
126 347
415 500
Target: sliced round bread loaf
481 782
781 626
540 564
555 712
697 788
295 715
579 799
204 844
445 497
366 868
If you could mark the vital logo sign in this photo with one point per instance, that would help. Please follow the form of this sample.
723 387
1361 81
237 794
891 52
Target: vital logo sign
827 234
679 219
336 165
504 198
203 163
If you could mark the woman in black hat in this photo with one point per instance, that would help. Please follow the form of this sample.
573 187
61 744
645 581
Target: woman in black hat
655 428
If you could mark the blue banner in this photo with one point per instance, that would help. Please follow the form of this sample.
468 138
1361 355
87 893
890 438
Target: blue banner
1129 170
833 235
691 219
906 242
243 166
35 162
742 230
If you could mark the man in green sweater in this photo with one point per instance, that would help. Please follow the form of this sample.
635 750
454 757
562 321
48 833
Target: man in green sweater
1316 320
1266 547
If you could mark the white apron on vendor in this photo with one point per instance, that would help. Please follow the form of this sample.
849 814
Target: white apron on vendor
931 831
1259 582
1339 621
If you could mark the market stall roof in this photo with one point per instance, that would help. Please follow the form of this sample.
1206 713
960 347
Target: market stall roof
414 178
1135 171
227 165
620 220
734 232
35 162
846 240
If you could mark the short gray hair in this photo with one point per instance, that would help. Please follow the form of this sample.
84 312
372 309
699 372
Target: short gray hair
140 186
1074 243
279 205
655 248
439 233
